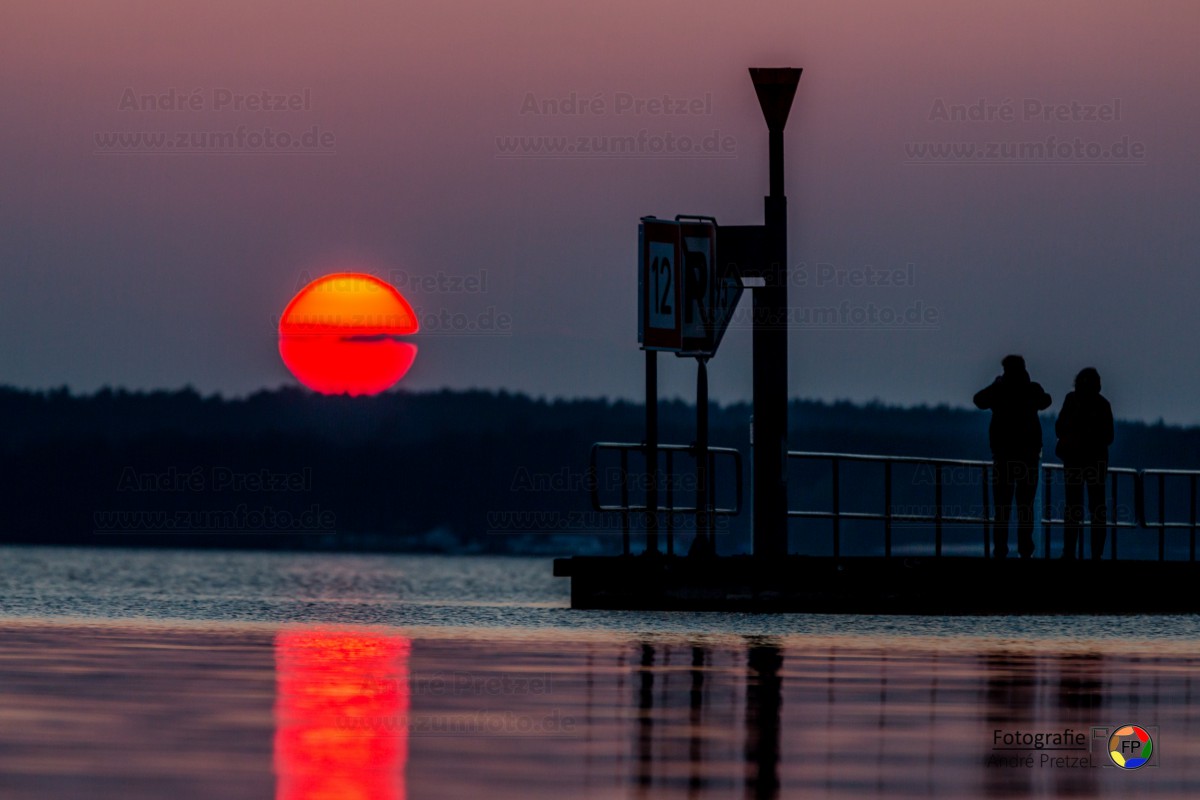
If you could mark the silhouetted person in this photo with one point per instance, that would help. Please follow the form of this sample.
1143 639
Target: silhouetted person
1015 436
1085 430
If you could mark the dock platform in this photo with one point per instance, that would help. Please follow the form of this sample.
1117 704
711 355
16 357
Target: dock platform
883 585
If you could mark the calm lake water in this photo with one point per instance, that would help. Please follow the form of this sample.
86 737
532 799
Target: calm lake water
134 674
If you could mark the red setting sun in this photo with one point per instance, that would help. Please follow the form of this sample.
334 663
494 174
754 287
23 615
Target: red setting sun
340 334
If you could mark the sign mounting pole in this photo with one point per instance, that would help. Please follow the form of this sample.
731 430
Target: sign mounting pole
703 544
776 88
652 451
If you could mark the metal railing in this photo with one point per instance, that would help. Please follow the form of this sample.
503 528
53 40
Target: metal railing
665 486
1162 524
938 518
1114 523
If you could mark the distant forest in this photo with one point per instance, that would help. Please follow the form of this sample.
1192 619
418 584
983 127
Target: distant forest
445 471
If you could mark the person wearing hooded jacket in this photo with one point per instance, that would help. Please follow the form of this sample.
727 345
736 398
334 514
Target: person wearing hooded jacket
1015 436
1085 430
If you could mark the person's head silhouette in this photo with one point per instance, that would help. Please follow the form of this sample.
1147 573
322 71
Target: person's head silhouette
1088 381
1014 368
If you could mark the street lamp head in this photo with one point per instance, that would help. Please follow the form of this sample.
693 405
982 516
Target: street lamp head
776 88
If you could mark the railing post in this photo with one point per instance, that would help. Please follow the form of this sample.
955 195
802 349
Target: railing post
1046 512
837 510
1080 537
710 492
887 509
625 501
1139 498
937 511
651 492
1162 517
1192 537
987 517
670 502
704 542
737 481
712 478
1113 521
593 479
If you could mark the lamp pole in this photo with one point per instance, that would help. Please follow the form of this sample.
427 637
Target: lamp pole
776 88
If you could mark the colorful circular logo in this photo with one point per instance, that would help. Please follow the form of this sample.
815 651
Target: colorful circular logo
1130 747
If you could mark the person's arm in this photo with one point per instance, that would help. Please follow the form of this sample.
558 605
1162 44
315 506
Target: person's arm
985 396
1043 397
1108 421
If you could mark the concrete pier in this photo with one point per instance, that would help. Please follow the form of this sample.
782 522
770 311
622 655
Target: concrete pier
865 585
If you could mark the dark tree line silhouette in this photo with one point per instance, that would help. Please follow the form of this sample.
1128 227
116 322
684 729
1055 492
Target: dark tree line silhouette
445 470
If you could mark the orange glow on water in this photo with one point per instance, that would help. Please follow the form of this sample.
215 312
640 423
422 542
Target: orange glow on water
341 716
339 334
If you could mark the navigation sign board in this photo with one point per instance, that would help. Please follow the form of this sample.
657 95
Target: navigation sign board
686 294
699 240
726 294
660 295
711 287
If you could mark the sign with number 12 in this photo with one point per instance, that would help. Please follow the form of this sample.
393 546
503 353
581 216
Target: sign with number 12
660 290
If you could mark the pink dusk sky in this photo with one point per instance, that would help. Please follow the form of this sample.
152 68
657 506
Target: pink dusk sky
131 264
